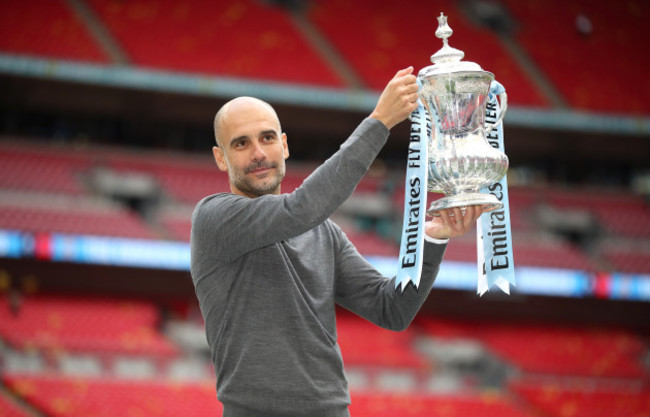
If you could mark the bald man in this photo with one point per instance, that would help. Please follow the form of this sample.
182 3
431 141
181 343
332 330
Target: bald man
268 267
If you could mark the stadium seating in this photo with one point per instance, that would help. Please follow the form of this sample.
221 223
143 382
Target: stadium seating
46 28
588 68
60 396
23 168
413 405
365 344
584 398
388 37
198 37
108 397
552 350
84 324
634 261
370 243
9 408
117 223
244 39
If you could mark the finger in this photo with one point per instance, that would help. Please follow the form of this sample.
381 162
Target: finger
413 97
404 72
470 217
447 221
411 83
458 219
478 210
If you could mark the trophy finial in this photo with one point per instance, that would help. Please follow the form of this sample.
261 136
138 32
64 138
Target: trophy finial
446 53
444 31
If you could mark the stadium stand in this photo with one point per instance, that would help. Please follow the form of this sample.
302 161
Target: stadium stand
77 355
60 396
401 36
71 324
373 404
364 344
46 28
148 31
24 168
584 398
594 64
9 408
552 350
117 223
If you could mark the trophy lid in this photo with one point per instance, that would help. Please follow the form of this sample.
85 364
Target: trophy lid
447 59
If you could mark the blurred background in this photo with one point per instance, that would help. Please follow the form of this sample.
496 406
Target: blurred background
106 111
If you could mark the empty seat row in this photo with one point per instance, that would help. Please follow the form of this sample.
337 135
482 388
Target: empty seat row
83 325
552 350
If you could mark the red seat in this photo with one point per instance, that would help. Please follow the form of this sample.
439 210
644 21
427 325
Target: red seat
60 396
419 405
582 66
378 39
231 38
551 349
584 398
48 28
365 344
88 325
9 408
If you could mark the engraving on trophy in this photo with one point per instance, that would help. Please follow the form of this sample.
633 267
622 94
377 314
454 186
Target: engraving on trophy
461 161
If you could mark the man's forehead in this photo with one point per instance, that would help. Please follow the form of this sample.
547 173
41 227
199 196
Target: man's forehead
249 111
246 111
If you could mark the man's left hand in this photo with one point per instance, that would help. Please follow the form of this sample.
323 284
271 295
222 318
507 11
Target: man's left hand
452 222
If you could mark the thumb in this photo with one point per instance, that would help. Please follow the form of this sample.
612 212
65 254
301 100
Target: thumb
405 71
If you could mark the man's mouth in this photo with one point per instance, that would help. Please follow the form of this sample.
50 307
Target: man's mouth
259 168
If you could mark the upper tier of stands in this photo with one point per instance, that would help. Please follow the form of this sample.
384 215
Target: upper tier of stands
46 28
601 70
596 71
237 38
380 38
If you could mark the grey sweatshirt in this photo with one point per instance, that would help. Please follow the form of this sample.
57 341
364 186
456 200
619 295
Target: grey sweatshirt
267 273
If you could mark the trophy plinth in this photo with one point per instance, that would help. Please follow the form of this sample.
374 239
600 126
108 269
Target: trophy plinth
461 161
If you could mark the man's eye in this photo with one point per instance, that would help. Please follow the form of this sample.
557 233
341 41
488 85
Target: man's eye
269 138
240 144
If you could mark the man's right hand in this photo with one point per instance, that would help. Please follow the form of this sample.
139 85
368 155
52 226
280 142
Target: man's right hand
398 100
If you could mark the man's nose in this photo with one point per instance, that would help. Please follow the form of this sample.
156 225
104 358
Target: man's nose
258 152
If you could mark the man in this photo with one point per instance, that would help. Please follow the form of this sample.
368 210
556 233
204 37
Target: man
268 268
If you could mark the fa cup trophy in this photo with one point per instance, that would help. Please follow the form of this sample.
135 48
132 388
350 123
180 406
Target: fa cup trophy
461 161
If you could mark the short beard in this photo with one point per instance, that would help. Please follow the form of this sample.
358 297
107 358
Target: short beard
246 186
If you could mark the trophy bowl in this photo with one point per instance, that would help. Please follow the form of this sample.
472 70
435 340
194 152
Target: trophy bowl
461 161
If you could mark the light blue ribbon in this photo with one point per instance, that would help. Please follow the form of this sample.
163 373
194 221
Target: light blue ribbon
415 200
493 232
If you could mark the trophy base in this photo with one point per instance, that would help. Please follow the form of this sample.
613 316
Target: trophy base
488 201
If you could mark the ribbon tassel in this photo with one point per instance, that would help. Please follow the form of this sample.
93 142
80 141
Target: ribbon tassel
415 201
493 229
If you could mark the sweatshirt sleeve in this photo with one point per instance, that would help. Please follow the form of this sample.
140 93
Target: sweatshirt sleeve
364 291
235 225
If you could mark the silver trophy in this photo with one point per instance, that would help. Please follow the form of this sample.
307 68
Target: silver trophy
461 161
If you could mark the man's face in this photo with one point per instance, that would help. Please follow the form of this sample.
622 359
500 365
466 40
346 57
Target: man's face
251 148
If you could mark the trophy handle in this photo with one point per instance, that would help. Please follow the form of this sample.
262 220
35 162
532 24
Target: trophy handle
503 99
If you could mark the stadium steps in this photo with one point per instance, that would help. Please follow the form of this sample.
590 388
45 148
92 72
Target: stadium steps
11 405
98 31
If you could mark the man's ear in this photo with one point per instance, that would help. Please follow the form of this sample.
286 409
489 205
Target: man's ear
285 146
219 158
